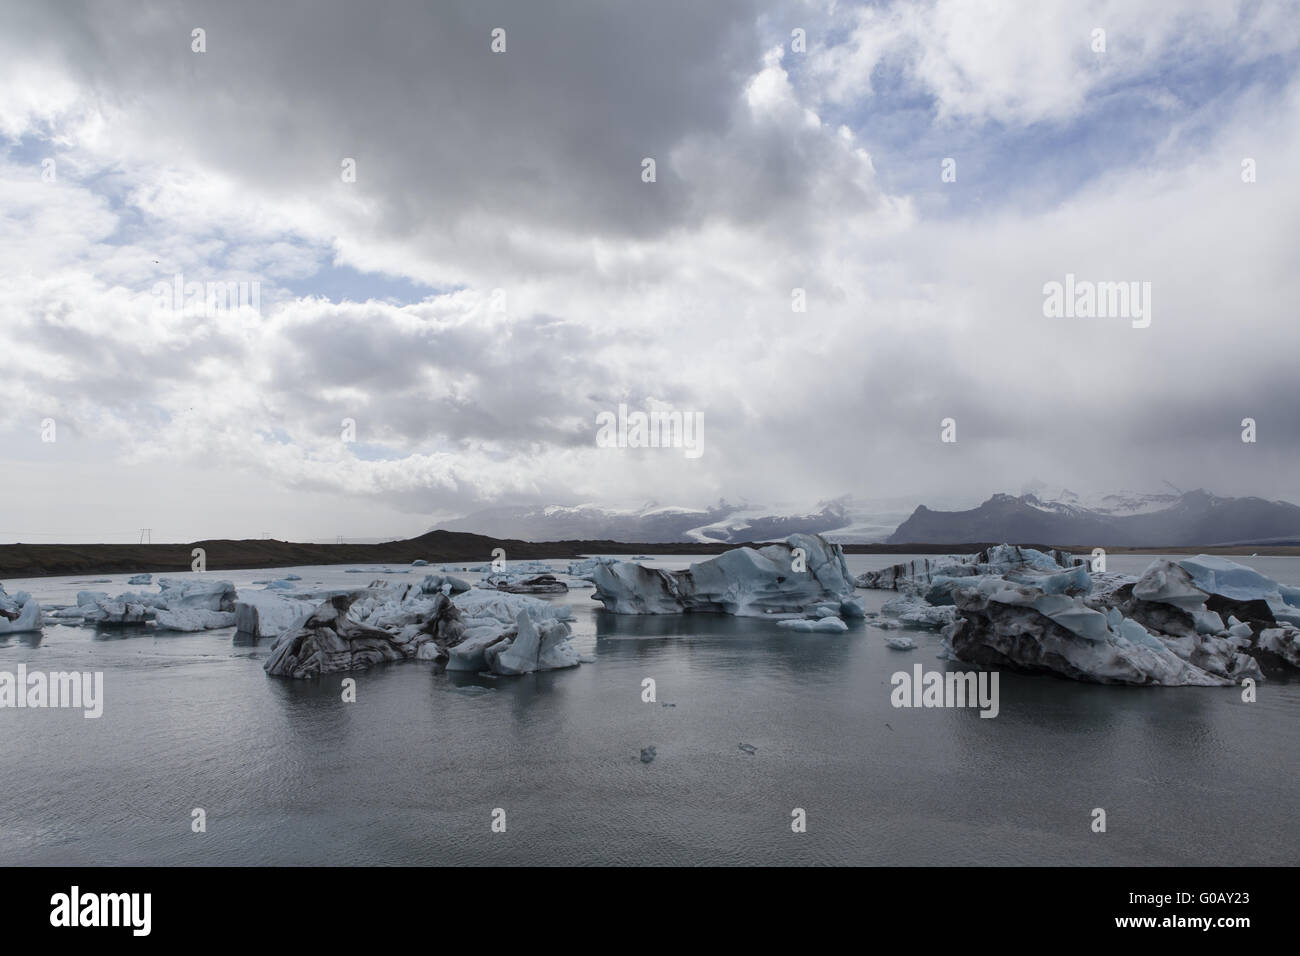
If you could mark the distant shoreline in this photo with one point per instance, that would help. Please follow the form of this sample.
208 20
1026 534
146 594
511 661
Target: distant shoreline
436 547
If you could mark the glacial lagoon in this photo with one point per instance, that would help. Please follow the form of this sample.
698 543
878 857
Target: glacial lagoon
412 772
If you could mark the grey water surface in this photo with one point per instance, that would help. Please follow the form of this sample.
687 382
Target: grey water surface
412 772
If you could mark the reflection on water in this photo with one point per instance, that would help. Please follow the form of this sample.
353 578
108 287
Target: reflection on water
412 771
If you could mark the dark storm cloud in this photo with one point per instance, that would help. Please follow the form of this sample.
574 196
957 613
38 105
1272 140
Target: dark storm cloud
551 132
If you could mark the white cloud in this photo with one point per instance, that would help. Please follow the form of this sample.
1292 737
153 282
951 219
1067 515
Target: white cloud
617 290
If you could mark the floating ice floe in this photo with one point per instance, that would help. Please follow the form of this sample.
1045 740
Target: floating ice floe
192 619
1045 612
826 624
19 613
914 612
466 629
138 579
900 643
746 582
182 604
918 574
524 583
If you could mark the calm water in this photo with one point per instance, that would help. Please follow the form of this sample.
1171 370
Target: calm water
411 772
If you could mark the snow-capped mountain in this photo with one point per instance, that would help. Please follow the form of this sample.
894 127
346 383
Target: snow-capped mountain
1193 518
651 524
841 520
1117 504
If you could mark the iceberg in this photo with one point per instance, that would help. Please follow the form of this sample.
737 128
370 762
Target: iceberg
19 614
472 630
913 612
139 579
259 614
1283 641
328 642
182 604
192 619
1002 559
471 653
582 567
827 624
445 583
745 582
195 593
1022 628
541 643
525 583
1231 581
118 612
1046 612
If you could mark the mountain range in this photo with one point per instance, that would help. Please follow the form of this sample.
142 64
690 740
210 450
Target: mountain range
1171 520
1168 517
653 523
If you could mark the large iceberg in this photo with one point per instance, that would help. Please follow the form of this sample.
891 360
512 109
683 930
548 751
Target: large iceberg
329 641
467 630
744 582
1202 621
1024 628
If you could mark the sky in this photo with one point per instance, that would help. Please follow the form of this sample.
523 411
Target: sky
439 332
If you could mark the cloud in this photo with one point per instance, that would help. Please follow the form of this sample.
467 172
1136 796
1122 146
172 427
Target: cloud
540 281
